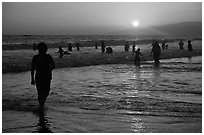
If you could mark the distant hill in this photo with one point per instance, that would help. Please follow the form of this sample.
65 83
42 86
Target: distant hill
184 28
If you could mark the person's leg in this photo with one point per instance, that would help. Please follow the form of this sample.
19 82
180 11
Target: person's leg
139 60
135 60
43 88
156 58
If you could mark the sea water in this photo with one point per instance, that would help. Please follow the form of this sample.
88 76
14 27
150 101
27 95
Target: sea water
30 39
117 98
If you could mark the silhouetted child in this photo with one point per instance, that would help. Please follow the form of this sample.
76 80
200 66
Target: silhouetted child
167 46
42 65
137 56
163 45
96 45
60 51
77 46
103 46
181 45
127 47
70 47
34 47
190 48
133 47
109 50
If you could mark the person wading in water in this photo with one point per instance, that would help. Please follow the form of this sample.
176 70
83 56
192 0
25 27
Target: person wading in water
42 65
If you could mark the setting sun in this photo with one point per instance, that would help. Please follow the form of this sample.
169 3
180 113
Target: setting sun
135 23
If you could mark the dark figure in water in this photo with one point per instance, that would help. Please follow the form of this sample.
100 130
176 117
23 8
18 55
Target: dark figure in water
109 50
42 65
103 46
137 56
163 45
60 51
181 45
133 47
70 47
96 45
77 46
34 47
127 47
167 46
156 50
190 48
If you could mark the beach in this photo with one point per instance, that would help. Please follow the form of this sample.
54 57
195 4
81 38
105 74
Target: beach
111 98
19 60
102 67
106 93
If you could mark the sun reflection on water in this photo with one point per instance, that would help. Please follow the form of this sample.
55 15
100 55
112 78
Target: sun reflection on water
137 125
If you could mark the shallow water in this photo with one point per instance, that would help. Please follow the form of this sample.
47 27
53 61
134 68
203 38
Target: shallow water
110 98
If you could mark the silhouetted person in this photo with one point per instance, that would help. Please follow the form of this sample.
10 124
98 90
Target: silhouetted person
156 50
96 45
190 48
42 65
163 45
167 46
34 47
137 56
77 46
133 47
70 47
109 50
60 51
181 45
103 46
127 47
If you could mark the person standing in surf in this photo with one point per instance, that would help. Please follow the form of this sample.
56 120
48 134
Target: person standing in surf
103 47
42 65
190 48
133 47
137 56
156 50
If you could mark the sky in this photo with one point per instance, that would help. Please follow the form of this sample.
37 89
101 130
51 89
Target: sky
92 17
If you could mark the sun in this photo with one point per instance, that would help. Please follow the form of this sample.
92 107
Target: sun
135 23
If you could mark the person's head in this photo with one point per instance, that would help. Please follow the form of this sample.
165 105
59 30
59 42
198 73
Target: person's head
156 42
189 41
42 48
138 49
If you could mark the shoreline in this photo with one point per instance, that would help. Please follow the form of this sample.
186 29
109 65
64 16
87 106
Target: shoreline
91 43
14 61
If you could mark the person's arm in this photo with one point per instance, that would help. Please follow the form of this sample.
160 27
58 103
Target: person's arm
141 54
33 71
52 64
151 51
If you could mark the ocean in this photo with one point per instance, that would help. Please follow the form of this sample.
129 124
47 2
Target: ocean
51 39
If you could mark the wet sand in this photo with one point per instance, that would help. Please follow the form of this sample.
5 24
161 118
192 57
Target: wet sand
118 98
19 60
